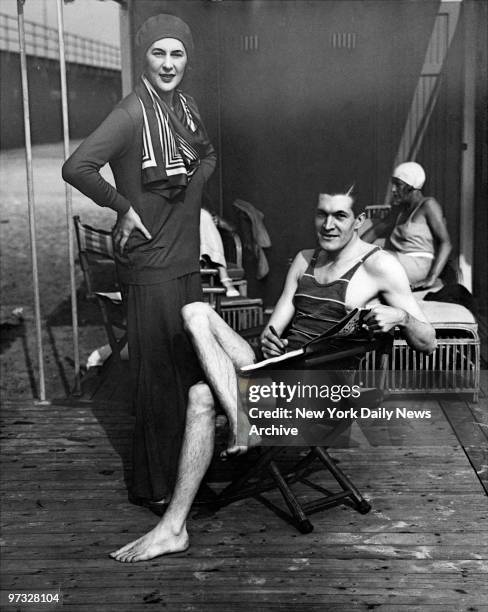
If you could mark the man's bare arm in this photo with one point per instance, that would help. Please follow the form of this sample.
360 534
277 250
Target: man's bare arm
284 310
400 309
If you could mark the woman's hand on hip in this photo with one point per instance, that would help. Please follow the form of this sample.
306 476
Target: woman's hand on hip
124 227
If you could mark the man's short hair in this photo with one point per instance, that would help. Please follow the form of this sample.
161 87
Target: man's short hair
357 207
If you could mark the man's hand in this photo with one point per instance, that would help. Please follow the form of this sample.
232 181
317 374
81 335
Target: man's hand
124 227
381 318
271 344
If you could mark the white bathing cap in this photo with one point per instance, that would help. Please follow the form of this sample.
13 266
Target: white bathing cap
410 173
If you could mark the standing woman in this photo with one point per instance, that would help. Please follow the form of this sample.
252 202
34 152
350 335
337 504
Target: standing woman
161 157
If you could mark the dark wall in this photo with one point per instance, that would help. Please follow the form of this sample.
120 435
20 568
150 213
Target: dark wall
299 115
480 284
92 93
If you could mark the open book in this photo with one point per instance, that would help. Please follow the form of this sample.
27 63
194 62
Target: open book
350 325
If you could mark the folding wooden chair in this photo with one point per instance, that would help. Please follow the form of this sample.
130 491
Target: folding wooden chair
233 255
99 271
265 473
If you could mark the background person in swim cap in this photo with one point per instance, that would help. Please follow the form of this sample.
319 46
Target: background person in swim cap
416 231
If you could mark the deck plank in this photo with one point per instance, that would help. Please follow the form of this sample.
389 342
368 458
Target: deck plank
424 546
470 424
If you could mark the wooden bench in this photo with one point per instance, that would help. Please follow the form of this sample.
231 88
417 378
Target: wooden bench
454 367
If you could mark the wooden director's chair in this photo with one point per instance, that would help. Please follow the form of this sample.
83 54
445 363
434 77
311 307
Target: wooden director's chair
265 473
97 263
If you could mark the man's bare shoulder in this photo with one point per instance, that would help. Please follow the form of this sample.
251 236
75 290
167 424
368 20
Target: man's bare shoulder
302 261
383 265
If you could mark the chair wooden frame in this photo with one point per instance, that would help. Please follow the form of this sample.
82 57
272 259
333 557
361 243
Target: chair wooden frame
97 263
265 474
240 312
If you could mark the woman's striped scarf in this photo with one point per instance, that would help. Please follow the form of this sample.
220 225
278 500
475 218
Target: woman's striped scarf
170 141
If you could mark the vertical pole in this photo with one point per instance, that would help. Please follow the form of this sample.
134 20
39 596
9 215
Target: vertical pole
126 58
219 111
468 162
69 201
30 198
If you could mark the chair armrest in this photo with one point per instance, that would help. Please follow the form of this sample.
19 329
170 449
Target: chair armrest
113 296
377 211
113 311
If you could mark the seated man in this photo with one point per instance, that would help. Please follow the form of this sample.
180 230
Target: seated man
415 231
343 273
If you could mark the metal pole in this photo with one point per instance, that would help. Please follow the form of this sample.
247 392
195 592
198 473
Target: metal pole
69 201
466 221
219 114
30 198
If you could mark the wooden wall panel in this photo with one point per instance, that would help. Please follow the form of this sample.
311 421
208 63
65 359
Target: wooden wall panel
309 96
318 103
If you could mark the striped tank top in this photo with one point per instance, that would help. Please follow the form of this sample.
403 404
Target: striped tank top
319 306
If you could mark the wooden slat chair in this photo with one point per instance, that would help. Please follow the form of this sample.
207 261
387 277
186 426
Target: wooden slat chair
97 263
266 474
454 367
240 312
233 254
212 291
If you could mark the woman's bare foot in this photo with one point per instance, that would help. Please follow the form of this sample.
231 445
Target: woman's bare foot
231 292
159 541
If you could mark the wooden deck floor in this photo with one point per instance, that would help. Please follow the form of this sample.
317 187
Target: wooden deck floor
424 546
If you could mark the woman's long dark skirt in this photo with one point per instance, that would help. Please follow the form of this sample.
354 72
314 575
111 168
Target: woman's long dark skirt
163 367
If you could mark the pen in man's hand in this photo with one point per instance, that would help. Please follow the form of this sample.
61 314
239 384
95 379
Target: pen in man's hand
273 331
